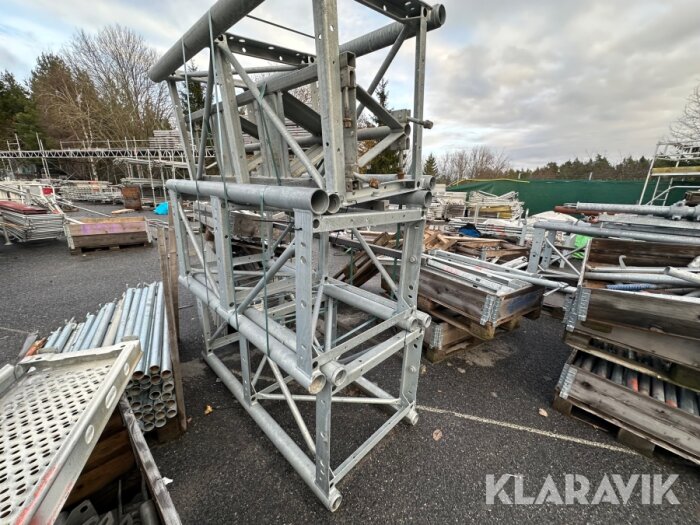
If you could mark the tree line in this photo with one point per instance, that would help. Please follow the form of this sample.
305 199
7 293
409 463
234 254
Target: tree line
95 89
481 162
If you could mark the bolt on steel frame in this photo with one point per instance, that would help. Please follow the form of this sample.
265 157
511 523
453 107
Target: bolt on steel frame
275 312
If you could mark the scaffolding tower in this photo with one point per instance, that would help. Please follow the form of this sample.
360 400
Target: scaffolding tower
283 315
675 166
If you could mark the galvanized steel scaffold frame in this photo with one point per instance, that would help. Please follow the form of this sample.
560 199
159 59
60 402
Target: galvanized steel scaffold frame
685 159
273 313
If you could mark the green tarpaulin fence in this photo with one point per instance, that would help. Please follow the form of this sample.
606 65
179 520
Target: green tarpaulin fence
543 195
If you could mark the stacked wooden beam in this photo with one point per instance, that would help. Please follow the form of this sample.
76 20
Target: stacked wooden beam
636 338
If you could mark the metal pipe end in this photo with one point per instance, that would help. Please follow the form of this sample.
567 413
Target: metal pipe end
320 201
334 203
171 413
148 426
335 373
166 374
412 417
437 16
318 381
334 500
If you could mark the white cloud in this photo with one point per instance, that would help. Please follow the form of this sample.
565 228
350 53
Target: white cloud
545 80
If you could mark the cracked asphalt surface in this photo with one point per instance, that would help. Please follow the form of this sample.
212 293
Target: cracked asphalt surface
485 403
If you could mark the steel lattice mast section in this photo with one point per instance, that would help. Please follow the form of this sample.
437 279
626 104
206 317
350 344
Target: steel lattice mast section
284 314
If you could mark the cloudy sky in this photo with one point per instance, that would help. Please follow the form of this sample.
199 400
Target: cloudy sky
539 79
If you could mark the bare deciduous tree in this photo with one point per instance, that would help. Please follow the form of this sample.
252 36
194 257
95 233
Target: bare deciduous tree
117 60
479 162
687 127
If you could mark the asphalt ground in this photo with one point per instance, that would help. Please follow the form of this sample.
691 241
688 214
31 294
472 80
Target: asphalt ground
485 404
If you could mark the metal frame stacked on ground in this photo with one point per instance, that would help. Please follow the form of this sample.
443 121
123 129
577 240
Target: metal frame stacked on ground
274 312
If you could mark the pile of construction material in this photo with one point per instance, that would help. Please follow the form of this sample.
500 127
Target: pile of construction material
632 323
361 269
471 301
25 223
138 315
482 206
470 297
446 205
91 191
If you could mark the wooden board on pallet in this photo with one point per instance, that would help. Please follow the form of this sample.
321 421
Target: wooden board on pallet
470 302
111 231
640 416
608 251
681 350
658 313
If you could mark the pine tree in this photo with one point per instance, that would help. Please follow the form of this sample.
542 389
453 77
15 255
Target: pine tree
388 160
430 167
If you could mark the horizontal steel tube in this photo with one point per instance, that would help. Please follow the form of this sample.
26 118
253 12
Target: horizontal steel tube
387 35
683 274
349 297
289 449
691 212
653 278
592 231
222 15
416 198
285 198
333 371
364 134
278 352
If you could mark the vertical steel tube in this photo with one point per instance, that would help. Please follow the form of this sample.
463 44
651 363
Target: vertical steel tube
136 303
77 345
126 310
111 334
65 335
143 326
155 346
103 325
93 329
72 337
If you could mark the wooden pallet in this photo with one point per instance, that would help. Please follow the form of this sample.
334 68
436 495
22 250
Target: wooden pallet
626 435
637 420
671 365
446 310
436 355
89 249
456 332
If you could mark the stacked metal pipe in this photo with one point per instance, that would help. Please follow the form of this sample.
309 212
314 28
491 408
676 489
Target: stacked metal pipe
24 228
673 395
138 314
